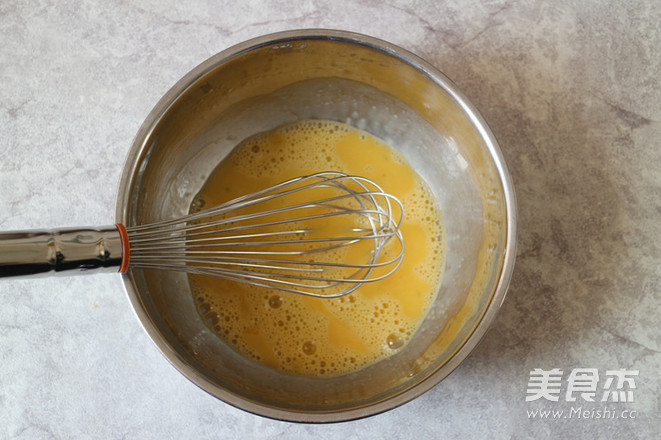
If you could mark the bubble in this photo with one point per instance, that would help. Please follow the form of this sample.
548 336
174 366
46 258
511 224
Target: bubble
394 341
275 301
211 319
197 205
309 347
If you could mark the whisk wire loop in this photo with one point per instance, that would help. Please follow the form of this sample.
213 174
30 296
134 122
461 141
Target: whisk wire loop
266 238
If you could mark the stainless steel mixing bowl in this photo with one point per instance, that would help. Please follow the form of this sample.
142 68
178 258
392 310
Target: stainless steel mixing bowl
372 85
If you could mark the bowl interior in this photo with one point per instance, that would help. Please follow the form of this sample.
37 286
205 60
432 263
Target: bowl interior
372 86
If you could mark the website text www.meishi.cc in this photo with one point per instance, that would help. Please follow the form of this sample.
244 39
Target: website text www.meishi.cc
579 412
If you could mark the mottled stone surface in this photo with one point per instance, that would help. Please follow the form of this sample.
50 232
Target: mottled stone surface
573 93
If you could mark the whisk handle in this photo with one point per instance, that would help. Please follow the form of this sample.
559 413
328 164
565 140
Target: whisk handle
70 251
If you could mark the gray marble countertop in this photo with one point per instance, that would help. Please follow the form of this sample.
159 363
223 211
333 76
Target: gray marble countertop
572 91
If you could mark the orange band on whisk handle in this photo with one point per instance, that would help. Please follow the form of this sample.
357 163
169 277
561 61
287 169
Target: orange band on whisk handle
126 247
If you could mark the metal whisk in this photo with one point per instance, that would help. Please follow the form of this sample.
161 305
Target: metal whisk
321 235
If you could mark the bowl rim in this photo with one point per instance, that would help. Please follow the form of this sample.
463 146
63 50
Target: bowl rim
139 147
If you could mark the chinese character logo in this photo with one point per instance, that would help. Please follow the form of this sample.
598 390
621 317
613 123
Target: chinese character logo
544 384
619 394
583 383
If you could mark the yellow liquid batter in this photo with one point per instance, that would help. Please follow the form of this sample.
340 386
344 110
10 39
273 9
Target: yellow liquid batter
317 336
